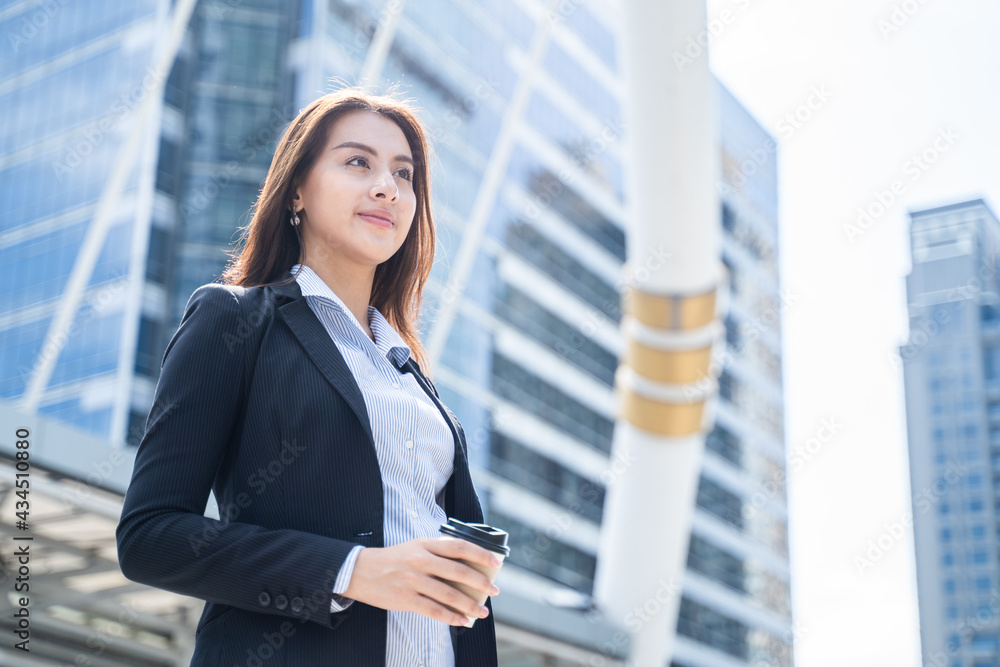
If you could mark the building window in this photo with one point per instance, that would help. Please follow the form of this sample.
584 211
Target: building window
567 341
149 352
526 467
527 390
946 534
136 427
726 385
991 363
707 626
721 441
715 563
718 501
168 167
158 257
525 240
553 559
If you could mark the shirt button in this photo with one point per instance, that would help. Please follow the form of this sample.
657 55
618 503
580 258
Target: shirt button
413 513
409 444
395 385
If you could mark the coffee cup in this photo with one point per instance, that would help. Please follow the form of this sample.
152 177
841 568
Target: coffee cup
490 538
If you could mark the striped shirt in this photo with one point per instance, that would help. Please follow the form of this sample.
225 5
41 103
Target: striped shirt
416 452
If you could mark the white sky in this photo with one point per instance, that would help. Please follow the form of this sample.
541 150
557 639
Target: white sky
890 97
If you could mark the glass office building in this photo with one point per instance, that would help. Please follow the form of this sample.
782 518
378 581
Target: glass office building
951 364
74 81
531 353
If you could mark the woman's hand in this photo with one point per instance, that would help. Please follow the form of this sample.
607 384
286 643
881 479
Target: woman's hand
402 578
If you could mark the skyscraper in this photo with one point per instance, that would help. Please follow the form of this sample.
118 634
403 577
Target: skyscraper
523 104
75 79
951 365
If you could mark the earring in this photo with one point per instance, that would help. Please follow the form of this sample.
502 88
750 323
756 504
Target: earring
295 218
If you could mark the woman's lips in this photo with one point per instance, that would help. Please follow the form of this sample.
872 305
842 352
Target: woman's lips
375 220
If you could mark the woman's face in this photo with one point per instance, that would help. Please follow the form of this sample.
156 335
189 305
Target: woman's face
365 171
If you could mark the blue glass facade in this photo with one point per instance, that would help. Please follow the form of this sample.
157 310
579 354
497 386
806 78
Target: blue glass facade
234 100
75 76
952 381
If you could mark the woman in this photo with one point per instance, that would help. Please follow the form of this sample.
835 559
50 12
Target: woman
295 391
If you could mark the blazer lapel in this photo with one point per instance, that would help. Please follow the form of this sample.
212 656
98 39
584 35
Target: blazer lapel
461 464
316 341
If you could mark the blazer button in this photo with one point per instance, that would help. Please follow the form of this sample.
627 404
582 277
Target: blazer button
297 605
264 599
280 601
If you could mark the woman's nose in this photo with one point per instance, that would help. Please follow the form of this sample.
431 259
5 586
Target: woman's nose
384 186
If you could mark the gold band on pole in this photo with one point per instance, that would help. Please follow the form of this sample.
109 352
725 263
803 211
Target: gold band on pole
670 312
673 366
671 419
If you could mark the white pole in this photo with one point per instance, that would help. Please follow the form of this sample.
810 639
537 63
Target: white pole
89 251
671 326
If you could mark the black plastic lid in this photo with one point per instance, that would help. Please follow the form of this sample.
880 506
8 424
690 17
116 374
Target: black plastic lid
487 537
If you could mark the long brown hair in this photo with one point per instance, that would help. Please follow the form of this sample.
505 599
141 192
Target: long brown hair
270 245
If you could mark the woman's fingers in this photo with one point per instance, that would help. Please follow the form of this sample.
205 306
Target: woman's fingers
438 612
415 576
456 548
450 567
458 572
443 596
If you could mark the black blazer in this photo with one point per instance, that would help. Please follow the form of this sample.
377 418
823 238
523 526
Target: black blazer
283 438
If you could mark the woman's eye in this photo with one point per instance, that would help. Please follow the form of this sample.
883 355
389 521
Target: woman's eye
407 173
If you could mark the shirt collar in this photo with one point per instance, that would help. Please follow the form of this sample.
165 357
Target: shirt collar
387 341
